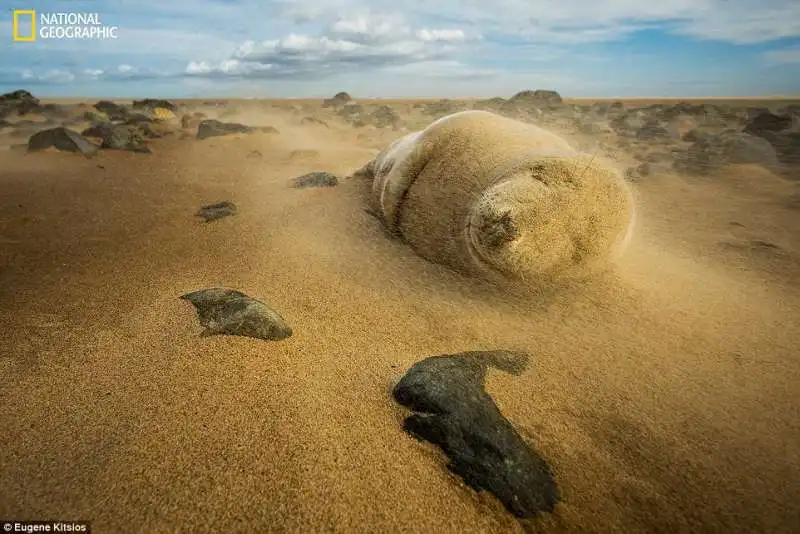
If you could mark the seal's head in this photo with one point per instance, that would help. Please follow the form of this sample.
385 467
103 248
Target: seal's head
550 219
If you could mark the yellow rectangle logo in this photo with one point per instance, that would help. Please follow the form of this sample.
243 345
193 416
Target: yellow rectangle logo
18 14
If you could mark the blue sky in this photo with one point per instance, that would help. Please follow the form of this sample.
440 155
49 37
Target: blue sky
314 48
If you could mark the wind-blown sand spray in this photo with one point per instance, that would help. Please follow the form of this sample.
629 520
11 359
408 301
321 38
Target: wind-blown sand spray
664 397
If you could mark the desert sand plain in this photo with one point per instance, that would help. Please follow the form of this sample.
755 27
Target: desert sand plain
664 393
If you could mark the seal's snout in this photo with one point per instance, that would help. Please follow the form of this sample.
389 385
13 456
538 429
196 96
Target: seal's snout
498 229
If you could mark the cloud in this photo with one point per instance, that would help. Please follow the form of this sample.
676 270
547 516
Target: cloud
124 72
320 43
348 44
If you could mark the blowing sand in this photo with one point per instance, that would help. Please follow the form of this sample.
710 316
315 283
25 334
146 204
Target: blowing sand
664 395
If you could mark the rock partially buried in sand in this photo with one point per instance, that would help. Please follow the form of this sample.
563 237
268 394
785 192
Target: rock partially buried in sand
316 179
496 197
62 139
214 128
455 412
128 137
212 212
231 312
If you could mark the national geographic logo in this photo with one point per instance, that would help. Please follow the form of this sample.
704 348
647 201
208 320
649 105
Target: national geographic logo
28 26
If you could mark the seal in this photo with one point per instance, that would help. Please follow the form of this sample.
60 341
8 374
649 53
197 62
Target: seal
489 195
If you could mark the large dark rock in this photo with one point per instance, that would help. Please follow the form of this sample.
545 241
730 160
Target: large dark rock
114 111
339 99
19 102
231 312
767 122
539 97
62 139
214 128
787 146
454 411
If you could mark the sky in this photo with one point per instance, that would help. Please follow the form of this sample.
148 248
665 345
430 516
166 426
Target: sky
411 48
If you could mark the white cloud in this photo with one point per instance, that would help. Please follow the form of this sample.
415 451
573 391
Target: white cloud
441 35
364 41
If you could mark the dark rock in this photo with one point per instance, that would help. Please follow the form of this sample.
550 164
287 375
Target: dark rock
351 112
724 148
767 122
268 129
694 135
152 103
786 144
384 116
214 128
19 101
212 212
538 97
454 411
125 137
113 111
62 139
231 312
490 104
98 130
316 179
339 99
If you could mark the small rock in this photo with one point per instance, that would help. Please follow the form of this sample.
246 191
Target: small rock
212 212
454 411
214 128
231 312
316 179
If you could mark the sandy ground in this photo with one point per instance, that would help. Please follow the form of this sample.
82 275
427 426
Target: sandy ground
665 395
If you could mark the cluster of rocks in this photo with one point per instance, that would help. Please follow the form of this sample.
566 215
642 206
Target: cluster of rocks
111 125
683 137
382 116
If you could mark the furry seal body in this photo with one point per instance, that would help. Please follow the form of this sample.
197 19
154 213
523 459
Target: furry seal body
487 194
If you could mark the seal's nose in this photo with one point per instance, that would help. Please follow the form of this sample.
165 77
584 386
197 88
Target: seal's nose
498 229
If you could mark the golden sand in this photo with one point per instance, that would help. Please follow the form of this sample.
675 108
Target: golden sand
665 396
